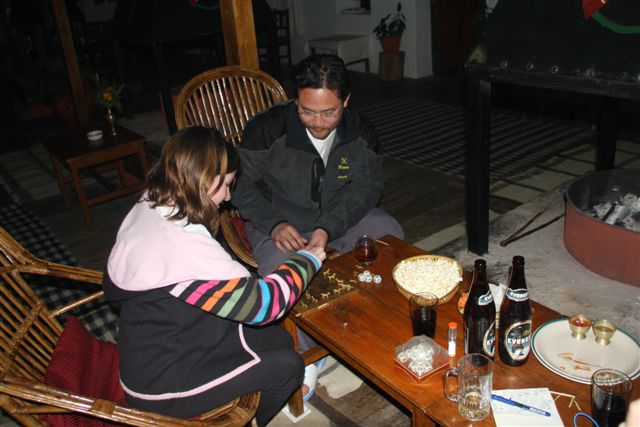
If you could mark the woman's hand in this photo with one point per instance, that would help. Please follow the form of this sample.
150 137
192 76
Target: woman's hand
316 251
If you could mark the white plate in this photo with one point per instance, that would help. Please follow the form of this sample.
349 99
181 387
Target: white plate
578 360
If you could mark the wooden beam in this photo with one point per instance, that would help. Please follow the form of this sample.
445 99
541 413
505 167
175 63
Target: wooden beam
71 62
239 33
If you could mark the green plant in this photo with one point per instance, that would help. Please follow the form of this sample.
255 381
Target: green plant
392 25
109 93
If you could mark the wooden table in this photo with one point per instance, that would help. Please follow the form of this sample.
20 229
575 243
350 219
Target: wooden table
74 151
363 328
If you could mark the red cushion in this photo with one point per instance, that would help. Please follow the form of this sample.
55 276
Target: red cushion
82 364
238 223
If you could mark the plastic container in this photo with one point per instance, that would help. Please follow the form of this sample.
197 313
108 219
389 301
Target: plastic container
421 357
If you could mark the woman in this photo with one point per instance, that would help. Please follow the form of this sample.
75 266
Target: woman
185 304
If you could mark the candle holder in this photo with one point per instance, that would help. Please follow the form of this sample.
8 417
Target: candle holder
579 326
603 330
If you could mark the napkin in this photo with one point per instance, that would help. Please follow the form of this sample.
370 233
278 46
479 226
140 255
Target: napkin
511 416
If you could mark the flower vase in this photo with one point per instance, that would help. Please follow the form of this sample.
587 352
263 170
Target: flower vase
112 121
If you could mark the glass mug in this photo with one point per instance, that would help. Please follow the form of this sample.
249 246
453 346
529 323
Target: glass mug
475 374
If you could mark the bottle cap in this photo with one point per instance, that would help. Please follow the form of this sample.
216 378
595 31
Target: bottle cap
453 325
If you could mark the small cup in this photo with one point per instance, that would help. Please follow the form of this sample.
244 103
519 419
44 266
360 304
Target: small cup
603 330
579 326
475 377
365 249
610 396
423 314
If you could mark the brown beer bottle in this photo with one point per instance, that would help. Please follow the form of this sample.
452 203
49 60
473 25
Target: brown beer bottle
479 322
514 341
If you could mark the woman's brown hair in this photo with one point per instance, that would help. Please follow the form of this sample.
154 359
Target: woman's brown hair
181 178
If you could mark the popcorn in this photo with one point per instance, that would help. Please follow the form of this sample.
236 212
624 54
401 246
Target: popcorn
437 276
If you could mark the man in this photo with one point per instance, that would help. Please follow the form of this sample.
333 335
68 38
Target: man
311 170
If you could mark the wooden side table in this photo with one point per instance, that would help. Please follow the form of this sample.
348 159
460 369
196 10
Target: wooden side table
75 152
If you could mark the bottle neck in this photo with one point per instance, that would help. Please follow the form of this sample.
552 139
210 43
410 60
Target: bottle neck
517 280
479 283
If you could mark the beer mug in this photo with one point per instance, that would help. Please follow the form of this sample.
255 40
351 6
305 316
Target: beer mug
475 373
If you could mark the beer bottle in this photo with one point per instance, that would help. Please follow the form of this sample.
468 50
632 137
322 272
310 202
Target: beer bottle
514 340
479 322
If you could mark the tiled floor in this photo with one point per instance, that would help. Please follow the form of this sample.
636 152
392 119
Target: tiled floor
553 173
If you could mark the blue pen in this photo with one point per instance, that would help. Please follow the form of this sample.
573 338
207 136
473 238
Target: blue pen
520 405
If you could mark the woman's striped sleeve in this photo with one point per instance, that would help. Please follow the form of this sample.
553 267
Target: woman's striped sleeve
252 300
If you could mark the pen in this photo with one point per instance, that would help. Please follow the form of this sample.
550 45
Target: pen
520 405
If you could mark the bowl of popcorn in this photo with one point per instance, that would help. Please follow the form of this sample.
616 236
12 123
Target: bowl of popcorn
435 274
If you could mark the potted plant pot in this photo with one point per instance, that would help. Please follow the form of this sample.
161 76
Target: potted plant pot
390 44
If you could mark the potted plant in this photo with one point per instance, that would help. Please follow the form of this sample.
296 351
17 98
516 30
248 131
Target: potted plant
109 95
389 30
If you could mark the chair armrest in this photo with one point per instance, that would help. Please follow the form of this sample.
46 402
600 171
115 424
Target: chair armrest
52 400
234 239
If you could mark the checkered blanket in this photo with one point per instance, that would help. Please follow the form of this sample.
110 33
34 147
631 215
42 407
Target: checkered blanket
37 238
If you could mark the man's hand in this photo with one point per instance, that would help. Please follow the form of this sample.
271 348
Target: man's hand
319 237
287 238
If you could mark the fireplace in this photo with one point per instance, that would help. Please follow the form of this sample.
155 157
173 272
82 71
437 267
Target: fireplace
575 46
610 250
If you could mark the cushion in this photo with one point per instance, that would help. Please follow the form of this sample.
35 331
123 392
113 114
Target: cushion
82 364
239 225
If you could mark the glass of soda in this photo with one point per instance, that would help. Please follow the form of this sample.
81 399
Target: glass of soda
423 313
610 396
365 250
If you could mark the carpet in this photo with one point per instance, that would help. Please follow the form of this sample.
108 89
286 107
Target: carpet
37 238
433 135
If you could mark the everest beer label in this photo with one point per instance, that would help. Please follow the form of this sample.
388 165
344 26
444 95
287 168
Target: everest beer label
517 294
518 340
489 341
486 298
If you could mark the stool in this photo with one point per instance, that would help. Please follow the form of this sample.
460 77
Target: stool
391 66
74 151
352 48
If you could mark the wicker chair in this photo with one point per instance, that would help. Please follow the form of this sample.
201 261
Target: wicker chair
225 99
29 334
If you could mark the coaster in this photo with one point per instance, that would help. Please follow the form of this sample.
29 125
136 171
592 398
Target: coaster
293 418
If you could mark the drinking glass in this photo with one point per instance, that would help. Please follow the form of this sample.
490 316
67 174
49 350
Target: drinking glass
366 251
610 396
423 313
475 375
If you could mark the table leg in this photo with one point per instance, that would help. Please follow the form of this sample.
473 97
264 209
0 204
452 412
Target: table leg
607 134
420 419
75 174
57 167
296 405
479 102
121 173
144 162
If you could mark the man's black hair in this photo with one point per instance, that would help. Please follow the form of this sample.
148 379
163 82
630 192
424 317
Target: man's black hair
322 71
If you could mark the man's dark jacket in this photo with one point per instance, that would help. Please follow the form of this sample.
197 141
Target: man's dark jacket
283 179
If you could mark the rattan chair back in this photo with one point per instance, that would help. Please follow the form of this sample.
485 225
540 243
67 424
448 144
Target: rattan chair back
226 98
29 332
